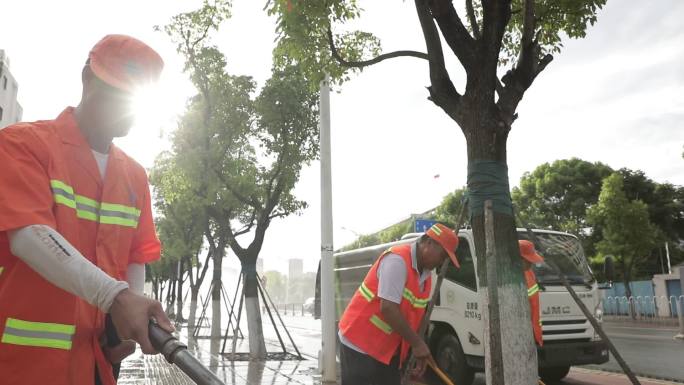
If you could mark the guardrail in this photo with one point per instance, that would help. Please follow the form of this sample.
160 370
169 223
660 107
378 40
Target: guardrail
297 309
648 309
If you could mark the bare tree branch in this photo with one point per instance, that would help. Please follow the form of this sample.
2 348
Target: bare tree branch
442 90
366 63
454 32
495 17
473 20
528 23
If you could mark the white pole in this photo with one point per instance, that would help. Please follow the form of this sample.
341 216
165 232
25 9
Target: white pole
327 363
667 252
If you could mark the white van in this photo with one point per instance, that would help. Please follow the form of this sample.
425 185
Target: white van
456 331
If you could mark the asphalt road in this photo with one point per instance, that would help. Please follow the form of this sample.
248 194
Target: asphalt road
648 351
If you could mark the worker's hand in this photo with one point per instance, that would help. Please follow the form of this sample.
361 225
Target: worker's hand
131 314
116 354
421 352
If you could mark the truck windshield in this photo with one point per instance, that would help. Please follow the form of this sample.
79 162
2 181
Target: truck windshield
566 251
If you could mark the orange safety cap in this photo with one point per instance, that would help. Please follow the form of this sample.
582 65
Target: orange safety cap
528 252
125 62
447 238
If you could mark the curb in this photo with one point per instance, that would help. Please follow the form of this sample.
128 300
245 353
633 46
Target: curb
613 372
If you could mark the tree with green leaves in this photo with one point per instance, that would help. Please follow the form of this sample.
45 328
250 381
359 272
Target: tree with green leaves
244 154
556 196
276 285
448 210
628 233
180 225
514 38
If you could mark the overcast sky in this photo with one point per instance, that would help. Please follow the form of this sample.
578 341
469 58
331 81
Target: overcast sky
615 96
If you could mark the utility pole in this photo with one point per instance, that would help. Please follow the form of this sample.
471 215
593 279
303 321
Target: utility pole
326 360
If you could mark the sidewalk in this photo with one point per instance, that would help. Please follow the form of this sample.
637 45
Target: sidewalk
154 370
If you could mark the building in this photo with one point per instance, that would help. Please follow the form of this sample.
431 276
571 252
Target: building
296 268
10 110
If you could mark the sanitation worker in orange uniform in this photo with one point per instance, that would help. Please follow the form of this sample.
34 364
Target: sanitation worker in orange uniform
76 230
530 257
381 321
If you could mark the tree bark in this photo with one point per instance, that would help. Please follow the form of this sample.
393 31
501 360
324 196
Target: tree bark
510 354
179 293
194 294
216 294
257 346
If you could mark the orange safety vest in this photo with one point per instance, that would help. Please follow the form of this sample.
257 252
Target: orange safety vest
533 297
362 322
50 177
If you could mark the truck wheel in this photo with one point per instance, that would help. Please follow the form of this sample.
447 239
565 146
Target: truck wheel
553 374
451 359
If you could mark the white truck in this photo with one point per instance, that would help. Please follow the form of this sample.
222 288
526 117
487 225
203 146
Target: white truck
456 329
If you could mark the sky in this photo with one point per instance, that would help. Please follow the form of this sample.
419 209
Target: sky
616 96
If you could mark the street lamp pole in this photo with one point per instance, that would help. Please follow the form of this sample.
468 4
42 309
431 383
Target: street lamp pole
327 364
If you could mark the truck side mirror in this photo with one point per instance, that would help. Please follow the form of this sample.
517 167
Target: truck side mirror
609 268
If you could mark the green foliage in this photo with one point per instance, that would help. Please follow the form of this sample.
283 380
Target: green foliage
302 32
628 234
556 195
556 19
447 212
302 37
276 285
242 154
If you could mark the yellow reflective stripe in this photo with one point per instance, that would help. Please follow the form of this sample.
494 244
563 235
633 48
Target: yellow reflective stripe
380 324
39 342
118 221
86 215
366 292
532 290
92 210
421 303
87 201
40 326
436 229
65 201
61 185
413 300
1 269
121 208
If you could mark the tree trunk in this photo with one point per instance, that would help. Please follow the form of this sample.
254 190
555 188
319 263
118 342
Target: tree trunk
171 295
216 295
155 285
510 353
257 346
194 294
628 293
179 293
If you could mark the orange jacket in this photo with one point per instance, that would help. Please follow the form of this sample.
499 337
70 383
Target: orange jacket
533 296
362 322
49 177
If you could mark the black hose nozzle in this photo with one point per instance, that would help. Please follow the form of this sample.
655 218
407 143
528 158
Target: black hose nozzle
177 353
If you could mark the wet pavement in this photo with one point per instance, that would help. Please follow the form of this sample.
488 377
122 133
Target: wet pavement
154 370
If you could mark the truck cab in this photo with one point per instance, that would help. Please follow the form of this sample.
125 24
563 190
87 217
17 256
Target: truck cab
456 333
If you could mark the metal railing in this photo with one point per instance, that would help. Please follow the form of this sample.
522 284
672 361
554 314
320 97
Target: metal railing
293 309
660 310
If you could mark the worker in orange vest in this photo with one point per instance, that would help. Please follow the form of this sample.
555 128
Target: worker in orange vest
381 321
531 257
76 230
